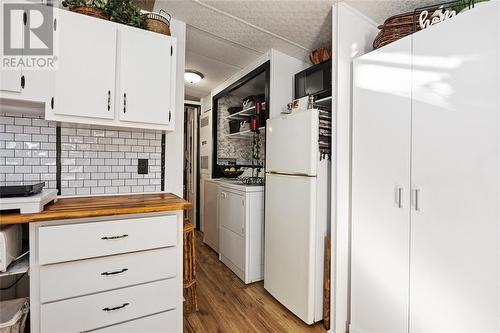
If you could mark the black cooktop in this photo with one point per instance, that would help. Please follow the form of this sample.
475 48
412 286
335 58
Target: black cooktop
20 189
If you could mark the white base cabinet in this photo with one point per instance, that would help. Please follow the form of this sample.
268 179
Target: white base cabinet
122 274
426 180
211 214
241 231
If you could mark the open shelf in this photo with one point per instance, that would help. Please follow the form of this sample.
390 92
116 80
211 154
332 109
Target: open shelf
19 266
243 135
244 114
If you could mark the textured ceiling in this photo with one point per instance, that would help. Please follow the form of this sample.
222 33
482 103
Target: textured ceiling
225 35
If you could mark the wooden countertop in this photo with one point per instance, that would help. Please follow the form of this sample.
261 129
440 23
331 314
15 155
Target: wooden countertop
96 206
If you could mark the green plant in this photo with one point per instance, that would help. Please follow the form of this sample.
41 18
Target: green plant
462 4
124 11
101 4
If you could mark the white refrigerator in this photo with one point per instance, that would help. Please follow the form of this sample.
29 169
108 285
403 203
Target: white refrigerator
296 214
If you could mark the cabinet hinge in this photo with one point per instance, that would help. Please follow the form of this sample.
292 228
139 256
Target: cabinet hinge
25 18
52 103
171 50
55 24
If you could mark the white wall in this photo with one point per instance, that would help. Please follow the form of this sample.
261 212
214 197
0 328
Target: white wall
283 70
174 156
353 35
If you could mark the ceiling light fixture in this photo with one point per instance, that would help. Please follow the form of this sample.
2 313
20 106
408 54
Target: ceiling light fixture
193 76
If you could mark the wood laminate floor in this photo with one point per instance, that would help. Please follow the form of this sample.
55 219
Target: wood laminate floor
227 305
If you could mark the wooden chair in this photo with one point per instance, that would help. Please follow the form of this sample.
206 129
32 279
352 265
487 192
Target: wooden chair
190 293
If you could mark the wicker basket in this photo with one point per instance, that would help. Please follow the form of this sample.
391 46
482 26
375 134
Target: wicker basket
396 27
319 55
90 11
159 22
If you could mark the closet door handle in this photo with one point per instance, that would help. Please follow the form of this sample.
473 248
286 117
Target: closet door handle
416 199
116 307
115 272
399 197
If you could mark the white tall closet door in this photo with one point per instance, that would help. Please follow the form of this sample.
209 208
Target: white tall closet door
85 76
381 166
455 234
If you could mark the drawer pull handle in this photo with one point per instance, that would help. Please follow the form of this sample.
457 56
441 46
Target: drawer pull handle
114 237
115 272
116 307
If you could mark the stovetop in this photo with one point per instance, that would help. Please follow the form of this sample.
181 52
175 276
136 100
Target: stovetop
247 181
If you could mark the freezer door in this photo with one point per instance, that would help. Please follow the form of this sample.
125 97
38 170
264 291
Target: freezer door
292 143
289 242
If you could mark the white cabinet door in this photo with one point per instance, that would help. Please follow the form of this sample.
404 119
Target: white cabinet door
146 81
455 233
232 211
10 78
211 215
85 76
380 189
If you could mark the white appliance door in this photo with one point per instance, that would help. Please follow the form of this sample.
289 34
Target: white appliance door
290 242
292 143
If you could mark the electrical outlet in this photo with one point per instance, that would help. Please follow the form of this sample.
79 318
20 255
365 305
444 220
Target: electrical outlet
142 166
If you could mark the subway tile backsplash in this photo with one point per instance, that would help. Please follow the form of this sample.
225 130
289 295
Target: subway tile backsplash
94 160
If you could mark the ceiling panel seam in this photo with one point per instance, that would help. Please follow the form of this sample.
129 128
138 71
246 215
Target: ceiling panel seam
213 59
257 52
252 25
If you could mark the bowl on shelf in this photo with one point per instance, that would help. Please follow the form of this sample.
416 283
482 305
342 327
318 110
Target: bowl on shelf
226 171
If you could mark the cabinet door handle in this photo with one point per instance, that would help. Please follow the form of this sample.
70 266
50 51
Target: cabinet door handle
109 100
169 116
399 197
114 237
223 195
123 270
23 81
116 307
124 102
416 199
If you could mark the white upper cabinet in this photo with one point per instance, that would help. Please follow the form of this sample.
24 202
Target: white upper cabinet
104 74
24 83
85 77
10 79
145 72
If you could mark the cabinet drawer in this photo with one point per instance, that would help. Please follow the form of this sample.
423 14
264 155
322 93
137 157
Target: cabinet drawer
108 308
84 277
87 240
165 322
